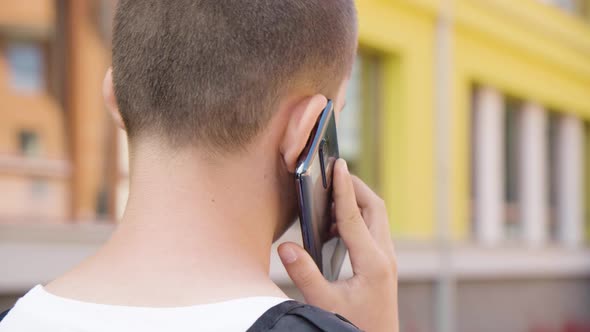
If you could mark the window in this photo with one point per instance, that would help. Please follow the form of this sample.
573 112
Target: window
512 159
527 171
584 9
39 189
552 174
26 66
358 125
29 143
29 146
349 123
576 7
567 5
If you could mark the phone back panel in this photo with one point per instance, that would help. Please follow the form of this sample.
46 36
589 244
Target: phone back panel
314 188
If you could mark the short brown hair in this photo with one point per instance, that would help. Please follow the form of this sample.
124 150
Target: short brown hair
210 72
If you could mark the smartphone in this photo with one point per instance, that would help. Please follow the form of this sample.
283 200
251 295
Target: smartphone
313 177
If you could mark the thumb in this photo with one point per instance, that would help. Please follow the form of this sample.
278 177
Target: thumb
304 272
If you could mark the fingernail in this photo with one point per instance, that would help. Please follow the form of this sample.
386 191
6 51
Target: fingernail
288 255
345 165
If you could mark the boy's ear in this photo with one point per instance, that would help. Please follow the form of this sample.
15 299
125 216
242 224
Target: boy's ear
108 92
301 121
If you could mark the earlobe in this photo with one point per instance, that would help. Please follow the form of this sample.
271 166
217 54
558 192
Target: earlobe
301 122
110 100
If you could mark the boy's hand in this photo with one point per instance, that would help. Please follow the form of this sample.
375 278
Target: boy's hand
369 298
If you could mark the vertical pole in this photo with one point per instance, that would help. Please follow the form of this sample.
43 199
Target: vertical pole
88 61
446 284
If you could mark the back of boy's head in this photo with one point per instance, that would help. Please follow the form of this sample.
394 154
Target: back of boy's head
211 72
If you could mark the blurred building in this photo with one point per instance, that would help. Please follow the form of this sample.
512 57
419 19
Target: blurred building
477 115
470 117
53 130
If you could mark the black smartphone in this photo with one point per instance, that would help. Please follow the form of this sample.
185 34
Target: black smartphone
313 177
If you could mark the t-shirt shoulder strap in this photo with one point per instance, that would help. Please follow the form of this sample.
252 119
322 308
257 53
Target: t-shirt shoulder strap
299 317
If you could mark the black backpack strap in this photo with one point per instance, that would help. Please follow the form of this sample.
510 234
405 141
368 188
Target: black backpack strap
3 314
273 315
299 317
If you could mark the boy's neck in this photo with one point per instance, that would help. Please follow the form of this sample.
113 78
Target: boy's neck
198 231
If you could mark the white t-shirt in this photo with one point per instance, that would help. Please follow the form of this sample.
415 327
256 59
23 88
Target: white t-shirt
39 310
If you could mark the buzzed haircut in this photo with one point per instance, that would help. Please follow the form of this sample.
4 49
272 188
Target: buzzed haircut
211 72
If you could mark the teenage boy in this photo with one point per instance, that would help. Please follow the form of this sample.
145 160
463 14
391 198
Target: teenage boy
218 99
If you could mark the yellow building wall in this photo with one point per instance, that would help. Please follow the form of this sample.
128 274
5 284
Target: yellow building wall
523 48
407 179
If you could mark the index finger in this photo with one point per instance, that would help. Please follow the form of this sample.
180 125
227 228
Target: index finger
374 213
351 225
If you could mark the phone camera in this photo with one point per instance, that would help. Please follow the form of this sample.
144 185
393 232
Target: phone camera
324 155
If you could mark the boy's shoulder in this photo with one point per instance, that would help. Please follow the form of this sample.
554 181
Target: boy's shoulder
299 317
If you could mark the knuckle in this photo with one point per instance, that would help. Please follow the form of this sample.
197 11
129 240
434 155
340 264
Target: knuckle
384 268
305 278
352 219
